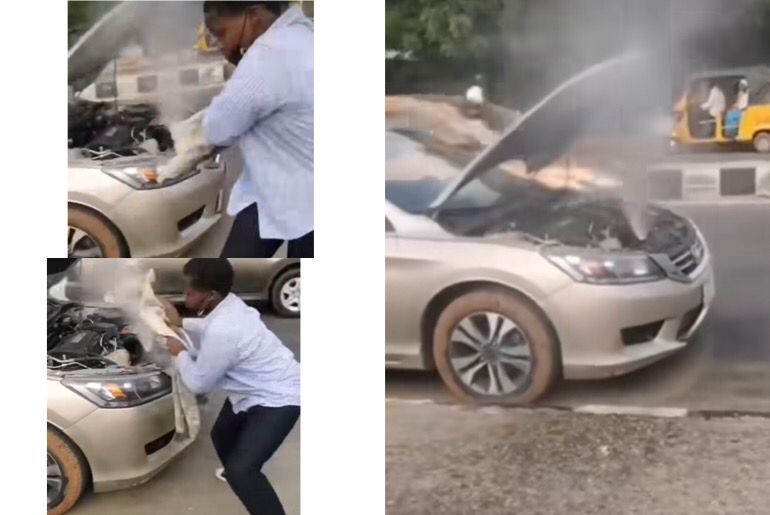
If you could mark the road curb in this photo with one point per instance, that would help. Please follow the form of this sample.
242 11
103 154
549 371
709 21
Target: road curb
683 181
593 409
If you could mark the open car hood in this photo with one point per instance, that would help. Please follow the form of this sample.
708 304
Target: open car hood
161 26
102 42
545 132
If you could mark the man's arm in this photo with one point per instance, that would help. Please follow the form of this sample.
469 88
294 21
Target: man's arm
194 329
218 352
709 103
252 93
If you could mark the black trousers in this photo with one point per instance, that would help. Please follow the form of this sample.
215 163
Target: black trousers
244 442
244 240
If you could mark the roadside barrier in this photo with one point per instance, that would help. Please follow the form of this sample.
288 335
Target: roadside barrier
710 181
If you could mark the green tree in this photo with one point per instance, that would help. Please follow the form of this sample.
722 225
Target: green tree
446 28
81 15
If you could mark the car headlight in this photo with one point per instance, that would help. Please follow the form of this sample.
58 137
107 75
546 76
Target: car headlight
121 391
603 268
145 178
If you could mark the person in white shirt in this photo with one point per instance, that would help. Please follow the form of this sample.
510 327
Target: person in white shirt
234 351
742 100
715 104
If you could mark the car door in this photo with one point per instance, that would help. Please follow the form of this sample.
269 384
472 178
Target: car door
252 275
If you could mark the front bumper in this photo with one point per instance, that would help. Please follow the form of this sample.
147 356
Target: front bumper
589 321
126 447
166 221
160 222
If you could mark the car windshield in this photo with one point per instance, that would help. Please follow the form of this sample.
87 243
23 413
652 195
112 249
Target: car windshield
418 169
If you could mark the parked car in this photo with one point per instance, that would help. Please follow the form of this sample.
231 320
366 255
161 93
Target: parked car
118 139
108 426
504 285
275 280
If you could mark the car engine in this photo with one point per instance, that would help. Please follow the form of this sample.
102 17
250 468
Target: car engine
81 337
570 219
102 130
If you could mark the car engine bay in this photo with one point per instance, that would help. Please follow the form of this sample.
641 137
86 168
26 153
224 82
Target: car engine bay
81 337
572 220
103 130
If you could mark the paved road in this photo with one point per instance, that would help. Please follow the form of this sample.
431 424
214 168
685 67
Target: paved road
726 367
495 461
188 484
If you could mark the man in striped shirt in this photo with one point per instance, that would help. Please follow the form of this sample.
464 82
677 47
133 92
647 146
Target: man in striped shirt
266 107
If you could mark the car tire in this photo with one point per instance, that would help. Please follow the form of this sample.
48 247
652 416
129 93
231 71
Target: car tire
284 294
529 327
762 142
107 238
74 470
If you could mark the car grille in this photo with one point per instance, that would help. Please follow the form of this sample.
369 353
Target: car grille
687 260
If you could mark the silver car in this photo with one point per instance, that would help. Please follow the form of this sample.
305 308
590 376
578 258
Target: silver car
109 426
503 283
115 207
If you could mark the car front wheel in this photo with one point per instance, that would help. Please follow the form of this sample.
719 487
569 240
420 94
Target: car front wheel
89 236
67 473
491 346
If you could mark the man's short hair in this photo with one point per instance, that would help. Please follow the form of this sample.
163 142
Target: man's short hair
210 274
214 9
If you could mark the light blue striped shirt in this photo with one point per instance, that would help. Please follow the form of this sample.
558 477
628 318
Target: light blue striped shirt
267 108
235 352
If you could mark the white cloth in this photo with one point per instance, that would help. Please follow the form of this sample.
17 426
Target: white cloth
715 103
190 147
187 418
133 292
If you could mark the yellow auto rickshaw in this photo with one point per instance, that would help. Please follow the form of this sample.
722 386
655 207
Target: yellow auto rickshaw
745 118
206 42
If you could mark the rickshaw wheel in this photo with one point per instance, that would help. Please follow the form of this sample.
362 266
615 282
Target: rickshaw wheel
762 142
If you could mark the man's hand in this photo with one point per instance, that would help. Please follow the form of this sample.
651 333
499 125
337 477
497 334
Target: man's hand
190 146
174 346
172 315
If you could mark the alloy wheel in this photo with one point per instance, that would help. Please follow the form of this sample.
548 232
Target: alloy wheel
491 354
290 295
82 244
56 481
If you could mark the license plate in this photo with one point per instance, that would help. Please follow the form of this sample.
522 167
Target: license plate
708 291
